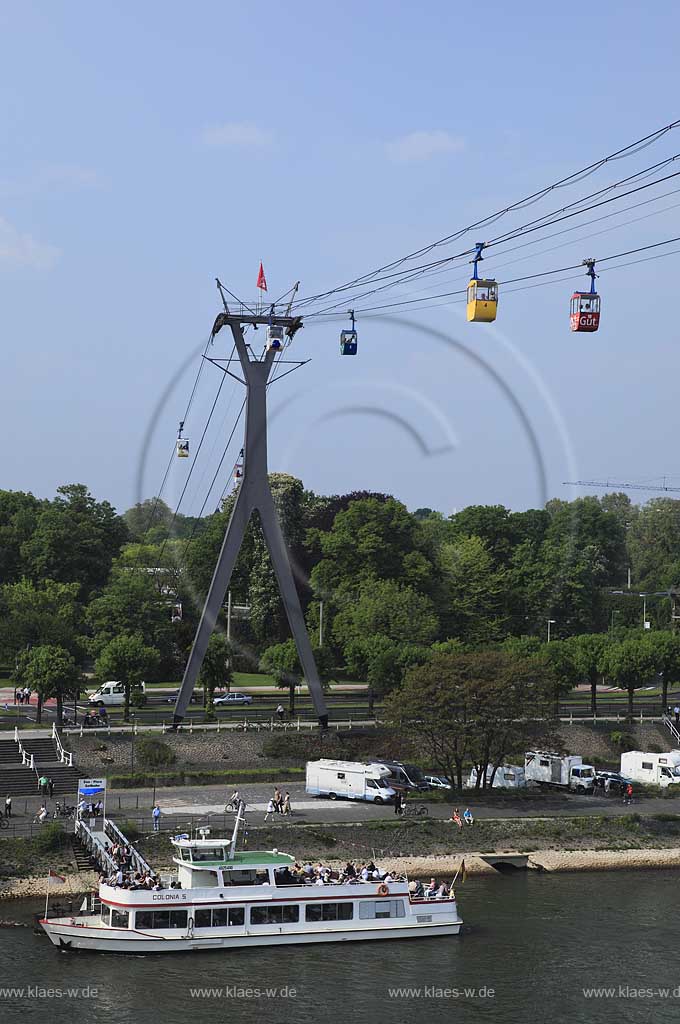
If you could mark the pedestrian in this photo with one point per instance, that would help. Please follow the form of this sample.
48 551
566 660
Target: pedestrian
676 712
156 815
467 816
41 815
27 695
397 802
42 782
270 810
280 712
278 801
50 788
628 793
8 806
455 818
286 804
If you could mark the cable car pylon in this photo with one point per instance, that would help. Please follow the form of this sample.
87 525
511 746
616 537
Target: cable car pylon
253 494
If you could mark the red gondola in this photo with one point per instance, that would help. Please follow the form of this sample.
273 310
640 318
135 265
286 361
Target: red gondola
584 311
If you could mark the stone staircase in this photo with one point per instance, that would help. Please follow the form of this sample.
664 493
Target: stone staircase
46 758
16 779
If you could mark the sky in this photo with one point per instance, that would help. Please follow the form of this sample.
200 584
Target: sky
148 149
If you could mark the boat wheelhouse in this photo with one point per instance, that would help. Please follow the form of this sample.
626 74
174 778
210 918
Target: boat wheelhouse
221 898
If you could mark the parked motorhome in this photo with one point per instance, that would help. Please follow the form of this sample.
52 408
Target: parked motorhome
565 772
652 769
507 776
350 780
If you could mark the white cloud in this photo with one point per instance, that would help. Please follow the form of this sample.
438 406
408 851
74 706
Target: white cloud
19 249
241 134
424 145
51 178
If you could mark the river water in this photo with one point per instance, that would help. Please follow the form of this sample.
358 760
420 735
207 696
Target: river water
532 947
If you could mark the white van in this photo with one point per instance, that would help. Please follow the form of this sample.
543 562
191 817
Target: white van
112 694
653 769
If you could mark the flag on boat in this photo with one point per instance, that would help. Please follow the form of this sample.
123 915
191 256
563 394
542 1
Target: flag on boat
52 876
261 279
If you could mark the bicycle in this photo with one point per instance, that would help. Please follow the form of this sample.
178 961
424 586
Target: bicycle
415 811
4 822
235 805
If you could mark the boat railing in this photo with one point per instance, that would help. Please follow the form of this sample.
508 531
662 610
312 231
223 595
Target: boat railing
113 833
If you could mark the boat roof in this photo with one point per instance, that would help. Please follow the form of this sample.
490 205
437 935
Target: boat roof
241 859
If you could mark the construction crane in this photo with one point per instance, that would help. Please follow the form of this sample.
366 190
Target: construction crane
617 485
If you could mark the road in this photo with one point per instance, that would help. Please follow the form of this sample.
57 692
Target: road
191 806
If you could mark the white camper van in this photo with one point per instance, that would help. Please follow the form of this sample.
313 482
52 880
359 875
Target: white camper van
653 769
550 769
508 776
112 694
349 779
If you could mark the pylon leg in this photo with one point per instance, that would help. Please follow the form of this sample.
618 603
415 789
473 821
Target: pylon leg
231 545
278 553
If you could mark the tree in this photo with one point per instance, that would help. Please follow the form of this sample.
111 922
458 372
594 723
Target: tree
587 651
473 591
382 661
128 659
629 664
52 672
131 603
281 661
388 608
18 515
75 538
666 647
477 707
36 614
216 669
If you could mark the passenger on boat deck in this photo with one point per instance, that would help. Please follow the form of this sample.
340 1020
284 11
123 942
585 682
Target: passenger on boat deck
365 873
442 891
418 890
350 870
308 869
431 890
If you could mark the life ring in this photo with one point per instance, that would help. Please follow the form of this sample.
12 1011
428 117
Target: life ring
383 890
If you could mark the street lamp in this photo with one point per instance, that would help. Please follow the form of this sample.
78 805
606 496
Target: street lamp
132 752
551 622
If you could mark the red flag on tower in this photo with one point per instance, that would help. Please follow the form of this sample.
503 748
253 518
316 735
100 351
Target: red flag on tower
261 279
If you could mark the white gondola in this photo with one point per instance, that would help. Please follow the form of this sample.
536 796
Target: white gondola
275 338
182 448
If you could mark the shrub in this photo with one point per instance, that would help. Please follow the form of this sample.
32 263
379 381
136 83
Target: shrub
51 838
130 830
622 740
154 753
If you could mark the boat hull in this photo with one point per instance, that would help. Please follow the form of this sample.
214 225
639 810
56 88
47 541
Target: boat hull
80 937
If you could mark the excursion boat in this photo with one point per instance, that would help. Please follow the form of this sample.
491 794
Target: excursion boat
232 900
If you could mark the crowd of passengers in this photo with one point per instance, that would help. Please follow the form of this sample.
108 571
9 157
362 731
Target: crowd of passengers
124 876
307 874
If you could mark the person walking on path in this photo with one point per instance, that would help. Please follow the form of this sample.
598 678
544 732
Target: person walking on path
398 802
286 804
628 794
278 800
156 815
676 712
280 712
43 783
270 810
8 806
50 788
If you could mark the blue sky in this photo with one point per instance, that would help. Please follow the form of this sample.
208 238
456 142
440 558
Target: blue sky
149 148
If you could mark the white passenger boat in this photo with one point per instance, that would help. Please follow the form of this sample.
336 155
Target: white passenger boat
235 899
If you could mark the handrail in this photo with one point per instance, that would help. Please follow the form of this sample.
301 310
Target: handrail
65 756
112 832
26 758
104 859
674 731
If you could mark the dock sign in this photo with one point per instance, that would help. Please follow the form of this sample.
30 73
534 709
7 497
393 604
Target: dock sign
88 787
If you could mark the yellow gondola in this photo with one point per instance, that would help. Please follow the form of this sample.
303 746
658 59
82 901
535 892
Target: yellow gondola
482 294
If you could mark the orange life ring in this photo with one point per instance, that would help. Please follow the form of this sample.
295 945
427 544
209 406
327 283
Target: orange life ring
383 890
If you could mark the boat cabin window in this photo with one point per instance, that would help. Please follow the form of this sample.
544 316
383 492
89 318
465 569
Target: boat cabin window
106 914
251 877
160 919
203 853
376 909
329 912
275 915
119 918
219 917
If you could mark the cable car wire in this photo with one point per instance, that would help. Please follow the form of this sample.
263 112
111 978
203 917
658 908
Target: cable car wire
629 150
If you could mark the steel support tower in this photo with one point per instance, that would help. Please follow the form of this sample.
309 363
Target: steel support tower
253 493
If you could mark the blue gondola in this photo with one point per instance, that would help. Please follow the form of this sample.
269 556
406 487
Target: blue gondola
348 339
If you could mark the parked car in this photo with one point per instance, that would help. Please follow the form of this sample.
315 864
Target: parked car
196 697
233 698
437 782
404 776
617 781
